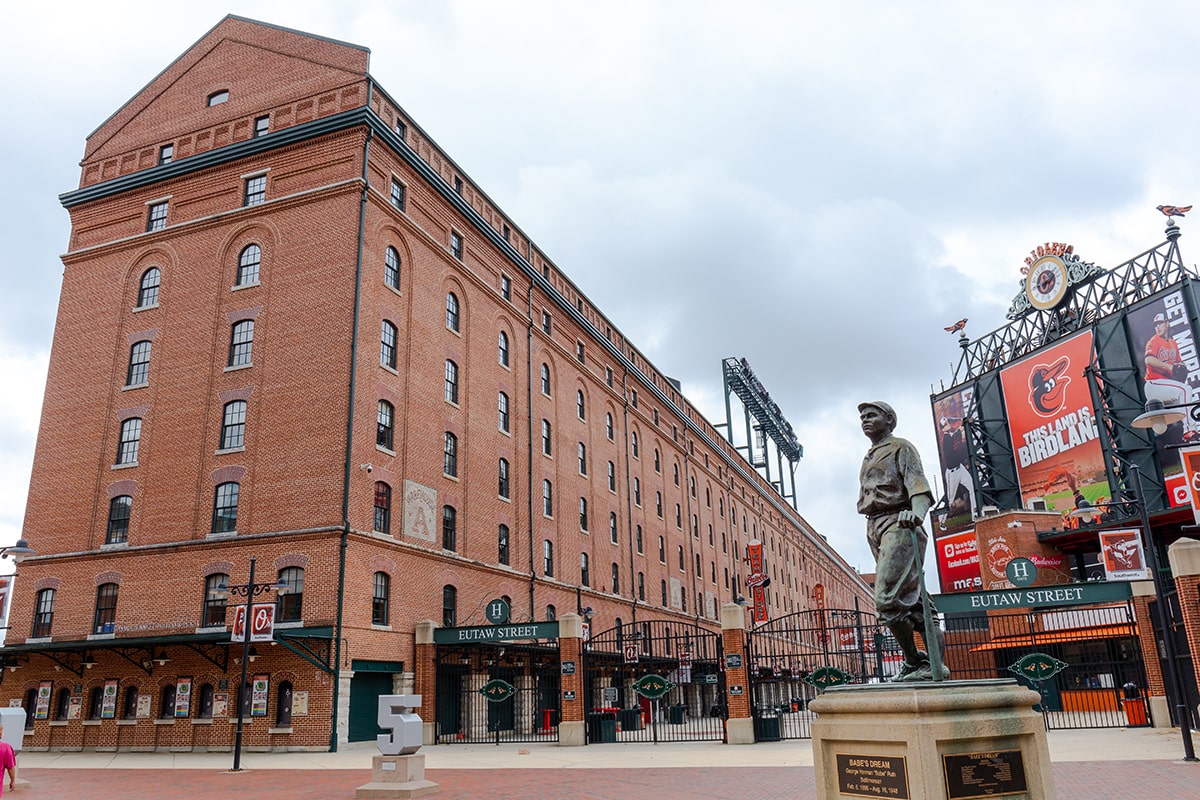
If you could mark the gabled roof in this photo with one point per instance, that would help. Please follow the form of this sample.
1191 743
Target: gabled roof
146 117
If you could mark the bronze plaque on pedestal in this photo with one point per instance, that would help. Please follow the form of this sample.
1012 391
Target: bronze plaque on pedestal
992 774
872 776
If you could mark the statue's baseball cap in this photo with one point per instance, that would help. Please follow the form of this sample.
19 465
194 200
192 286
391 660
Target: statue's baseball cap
879 404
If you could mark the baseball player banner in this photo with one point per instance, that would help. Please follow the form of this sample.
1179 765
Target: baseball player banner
1165 347
1123 557
1189 457
108 703
950 413
1055 437
757 581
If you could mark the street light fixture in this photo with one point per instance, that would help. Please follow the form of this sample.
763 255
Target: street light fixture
1159 415
250 590
19 551
1165 620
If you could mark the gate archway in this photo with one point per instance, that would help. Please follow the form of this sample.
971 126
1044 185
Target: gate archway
685 654
785 651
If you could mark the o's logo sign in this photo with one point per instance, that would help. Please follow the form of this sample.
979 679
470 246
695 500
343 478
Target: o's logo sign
1195 482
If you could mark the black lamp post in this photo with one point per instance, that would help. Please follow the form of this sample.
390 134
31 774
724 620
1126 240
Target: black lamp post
1165 619
250 589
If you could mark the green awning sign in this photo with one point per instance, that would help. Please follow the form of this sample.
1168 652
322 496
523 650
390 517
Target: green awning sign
498 690
1037 666
652 686
827 677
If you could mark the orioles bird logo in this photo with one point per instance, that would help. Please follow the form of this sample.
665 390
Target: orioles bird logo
958 326
1048 387
1174 211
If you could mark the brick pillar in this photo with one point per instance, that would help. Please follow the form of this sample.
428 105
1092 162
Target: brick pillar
1156 696
739 726
571 730
1184 556
425 680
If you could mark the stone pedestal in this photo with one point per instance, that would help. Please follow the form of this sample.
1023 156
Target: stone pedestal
397 776
931 741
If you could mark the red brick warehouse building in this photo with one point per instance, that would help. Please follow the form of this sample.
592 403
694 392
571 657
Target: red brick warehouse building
292 330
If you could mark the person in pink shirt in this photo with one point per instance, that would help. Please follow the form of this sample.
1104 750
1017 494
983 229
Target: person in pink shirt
8 762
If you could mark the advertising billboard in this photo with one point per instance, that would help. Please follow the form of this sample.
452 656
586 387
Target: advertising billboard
1055 439
1165 348
958 562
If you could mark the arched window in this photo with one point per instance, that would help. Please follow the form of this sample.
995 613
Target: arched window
63 705
43 614
148 288
380 598
503 473
283 705
383 508
502 411
452 312
387 345
30 706
138 373
248 262
241 343
225 507
546 380
215 598
233 425
131 438
119 510
290 606
166 702
391 267
449 606
96 702
106 608
449 528
129 707
585 578
551 613
502 544
384 424
206 702
451 382
502 354
450 455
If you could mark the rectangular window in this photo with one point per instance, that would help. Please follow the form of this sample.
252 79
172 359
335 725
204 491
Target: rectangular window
166 153
157 219
502 544
241 343
579 352
458 185
507 232
256 190
546 322
402 130
262 125
456 245
506 287
106 608
398 194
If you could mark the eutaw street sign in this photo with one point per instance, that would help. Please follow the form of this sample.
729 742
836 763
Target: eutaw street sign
1070 594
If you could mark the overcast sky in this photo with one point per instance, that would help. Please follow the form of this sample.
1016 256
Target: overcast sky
818 187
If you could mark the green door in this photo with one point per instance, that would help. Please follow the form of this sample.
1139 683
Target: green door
365 690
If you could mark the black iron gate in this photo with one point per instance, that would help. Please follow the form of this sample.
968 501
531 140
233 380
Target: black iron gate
685 654
785 651
529 714
1103 682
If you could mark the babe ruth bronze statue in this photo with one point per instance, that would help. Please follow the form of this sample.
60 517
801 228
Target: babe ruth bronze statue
895 497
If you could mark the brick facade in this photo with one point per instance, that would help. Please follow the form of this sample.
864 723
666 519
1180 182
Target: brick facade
311 460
